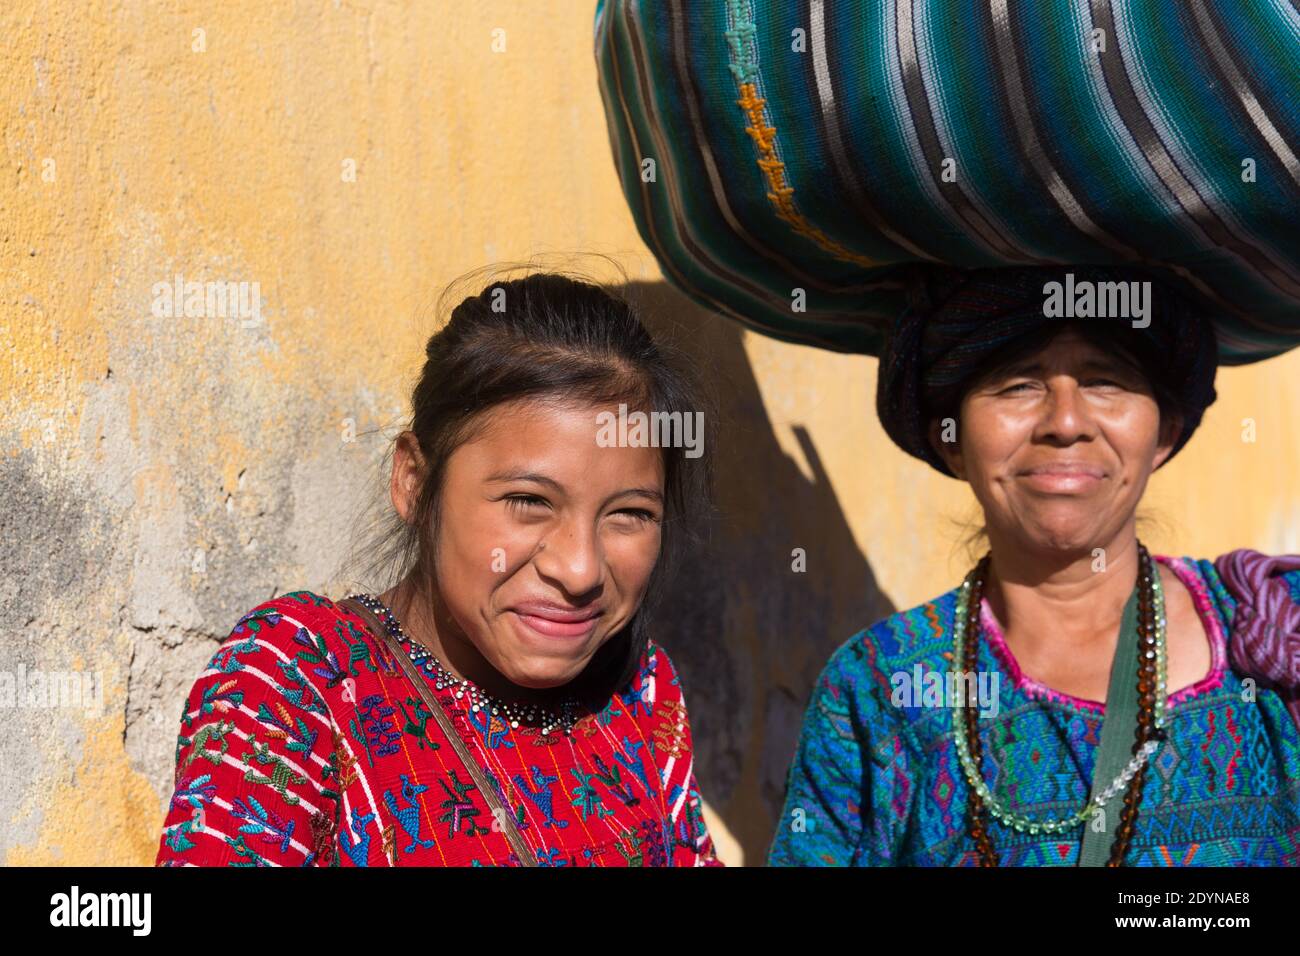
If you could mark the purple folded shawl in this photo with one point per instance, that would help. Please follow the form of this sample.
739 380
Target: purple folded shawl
1265 641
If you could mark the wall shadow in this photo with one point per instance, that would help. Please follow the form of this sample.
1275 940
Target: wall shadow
748 634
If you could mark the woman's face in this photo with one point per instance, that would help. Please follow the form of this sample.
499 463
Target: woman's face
1058 448
547 540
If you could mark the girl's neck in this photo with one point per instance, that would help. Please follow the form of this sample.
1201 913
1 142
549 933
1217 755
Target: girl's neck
424 619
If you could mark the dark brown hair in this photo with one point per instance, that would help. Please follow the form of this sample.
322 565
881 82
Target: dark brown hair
549 335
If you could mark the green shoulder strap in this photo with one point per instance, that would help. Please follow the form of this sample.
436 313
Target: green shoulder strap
1118 731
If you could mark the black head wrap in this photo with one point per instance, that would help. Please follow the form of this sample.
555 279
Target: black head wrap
959 320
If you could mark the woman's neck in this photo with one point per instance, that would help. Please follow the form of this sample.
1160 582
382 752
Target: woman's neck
1072 601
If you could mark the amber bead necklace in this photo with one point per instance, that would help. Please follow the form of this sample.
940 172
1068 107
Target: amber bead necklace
1150 724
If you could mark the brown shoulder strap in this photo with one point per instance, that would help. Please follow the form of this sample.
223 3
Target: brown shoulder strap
499 812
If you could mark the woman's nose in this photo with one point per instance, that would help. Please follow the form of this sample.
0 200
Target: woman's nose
1066 414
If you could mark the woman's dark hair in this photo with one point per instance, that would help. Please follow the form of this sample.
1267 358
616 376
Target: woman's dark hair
555 335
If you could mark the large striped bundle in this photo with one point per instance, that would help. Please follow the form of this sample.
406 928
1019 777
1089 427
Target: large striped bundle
787 161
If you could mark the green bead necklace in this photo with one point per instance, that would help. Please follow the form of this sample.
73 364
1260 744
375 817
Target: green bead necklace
1153 645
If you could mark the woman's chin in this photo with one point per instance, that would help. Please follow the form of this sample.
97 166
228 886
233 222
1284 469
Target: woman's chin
1063 534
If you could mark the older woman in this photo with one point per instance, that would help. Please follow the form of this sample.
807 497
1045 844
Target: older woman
501 703
1076 700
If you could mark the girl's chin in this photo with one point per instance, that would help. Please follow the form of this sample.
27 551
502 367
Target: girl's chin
542 662
542 674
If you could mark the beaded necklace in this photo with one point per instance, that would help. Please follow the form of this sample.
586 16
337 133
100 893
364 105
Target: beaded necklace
1150 727
515 713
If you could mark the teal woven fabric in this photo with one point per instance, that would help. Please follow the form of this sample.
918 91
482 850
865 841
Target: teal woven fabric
768 147
876 780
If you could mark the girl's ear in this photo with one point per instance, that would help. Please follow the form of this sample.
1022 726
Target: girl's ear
408 474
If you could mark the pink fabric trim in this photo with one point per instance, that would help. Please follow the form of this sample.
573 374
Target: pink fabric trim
992 632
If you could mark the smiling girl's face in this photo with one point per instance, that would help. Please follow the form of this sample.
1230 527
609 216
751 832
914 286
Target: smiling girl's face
546 540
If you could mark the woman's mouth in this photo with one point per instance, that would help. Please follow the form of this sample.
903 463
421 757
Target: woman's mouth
1063 477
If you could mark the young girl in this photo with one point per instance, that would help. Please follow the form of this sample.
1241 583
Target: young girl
502 703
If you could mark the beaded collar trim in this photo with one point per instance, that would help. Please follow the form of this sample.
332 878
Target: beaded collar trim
991 630
512 712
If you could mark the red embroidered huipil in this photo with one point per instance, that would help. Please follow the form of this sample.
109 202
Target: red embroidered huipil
303 743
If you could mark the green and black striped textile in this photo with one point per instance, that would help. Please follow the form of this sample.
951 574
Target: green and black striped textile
788 161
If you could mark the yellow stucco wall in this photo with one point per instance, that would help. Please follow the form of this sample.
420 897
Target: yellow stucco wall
162 475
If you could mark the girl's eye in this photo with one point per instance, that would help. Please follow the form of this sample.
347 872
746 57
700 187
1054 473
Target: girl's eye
640 514
524 502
